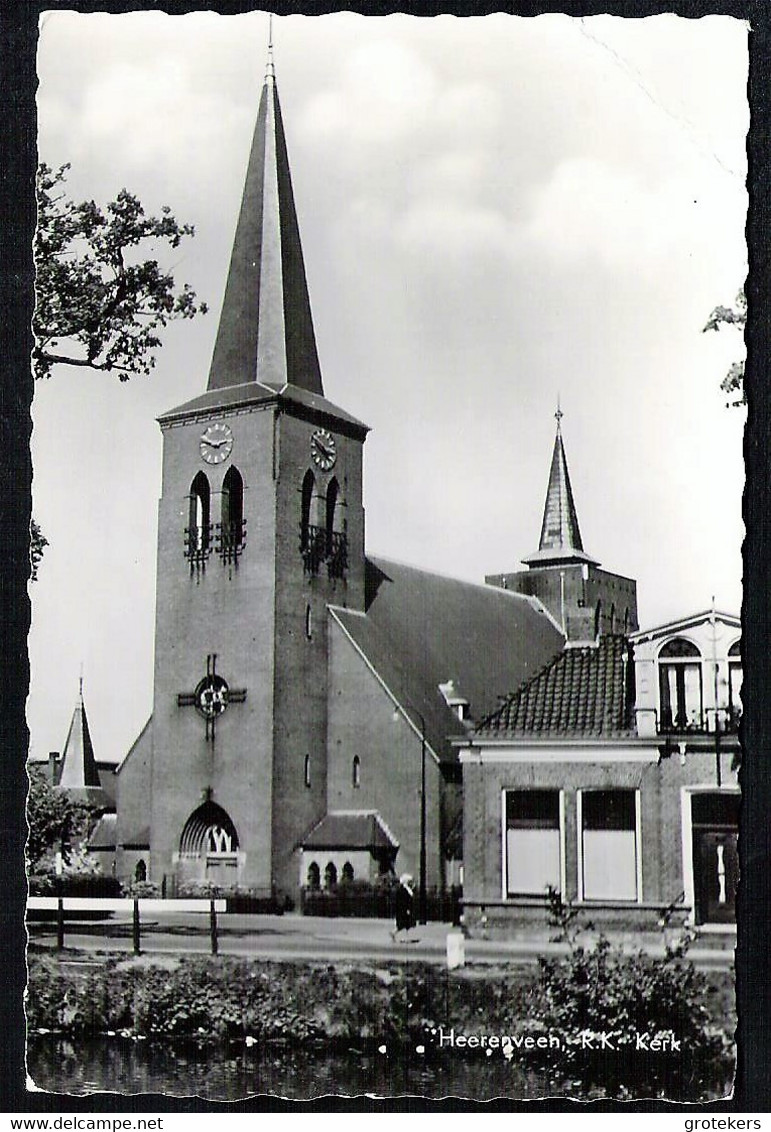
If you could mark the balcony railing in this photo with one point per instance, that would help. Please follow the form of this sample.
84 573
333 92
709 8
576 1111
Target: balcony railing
319 547
230 540
728 721
227 540
198 546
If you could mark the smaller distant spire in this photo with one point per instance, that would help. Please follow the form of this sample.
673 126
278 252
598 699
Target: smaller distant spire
560 535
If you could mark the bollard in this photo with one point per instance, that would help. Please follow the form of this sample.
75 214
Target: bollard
213 928
135 926
60 924
456 950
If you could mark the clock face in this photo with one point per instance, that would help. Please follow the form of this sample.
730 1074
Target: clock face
216 443
323 449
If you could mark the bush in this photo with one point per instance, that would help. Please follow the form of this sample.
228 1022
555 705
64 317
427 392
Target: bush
636 1002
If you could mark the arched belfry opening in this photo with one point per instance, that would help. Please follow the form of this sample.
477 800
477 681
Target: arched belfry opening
232 530
333 491
199 518
306 504
208 847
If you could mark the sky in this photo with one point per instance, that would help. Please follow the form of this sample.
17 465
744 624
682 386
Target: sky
496 213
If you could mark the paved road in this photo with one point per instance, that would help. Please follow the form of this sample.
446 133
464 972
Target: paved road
305 937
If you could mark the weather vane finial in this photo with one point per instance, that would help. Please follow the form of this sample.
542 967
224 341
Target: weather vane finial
559 414
270 73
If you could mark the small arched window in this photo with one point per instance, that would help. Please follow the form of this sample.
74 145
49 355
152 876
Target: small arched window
598 619
199 522
307 770
612 627
680 685
626 621
309 483
347 875
332 493
356 772
233 505
140 872
330 875
314 876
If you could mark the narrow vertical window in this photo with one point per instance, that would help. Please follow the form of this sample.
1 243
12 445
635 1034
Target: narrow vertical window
609 844
305 520
307 770
308 621
233 506
330 875
735 679
680 686
598 619
332 493
356 772
533 842
199 518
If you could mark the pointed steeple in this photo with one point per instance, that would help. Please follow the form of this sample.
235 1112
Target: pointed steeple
560 534
79 773
266 329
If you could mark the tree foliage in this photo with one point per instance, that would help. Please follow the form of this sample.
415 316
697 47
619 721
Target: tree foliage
37 544
99 303
733 382
55 821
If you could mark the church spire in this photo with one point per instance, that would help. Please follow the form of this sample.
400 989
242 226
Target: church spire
560 533
79 774
266 329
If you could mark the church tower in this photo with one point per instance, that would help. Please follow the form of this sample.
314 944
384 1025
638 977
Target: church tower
261 527
586 601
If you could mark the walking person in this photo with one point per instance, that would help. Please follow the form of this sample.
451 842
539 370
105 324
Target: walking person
404 905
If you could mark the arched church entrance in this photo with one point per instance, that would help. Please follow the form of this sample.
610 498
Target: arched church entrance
208 847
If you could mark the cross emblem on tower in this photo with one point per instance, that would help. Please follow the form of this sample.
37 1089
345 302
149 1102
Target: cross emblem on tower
211 696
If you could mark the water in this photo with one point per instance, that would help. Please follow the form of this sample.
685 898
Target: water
122 1066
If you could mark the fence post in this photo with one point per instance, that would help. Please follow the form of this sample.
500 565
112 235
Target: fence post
213 928
135 926
60 924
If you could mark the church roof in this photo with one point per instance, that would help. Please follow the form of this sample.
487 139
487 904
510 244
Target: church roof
422 629
79 774
560 534
301 401
266 329
351 829
585 691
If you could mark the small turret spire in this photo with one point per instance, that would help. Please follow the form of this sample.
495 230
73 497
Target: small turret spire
560 534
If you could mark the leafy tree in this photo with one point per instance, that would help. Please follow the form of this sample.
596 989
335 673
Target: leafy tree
37 543
99 303
55 821
733 382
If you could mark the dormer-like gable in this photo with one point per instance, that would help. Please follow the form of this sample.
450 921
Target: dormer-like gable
688 675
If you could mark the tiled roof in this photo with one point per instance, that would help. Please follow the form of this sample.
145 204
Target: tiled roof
351 829
423 629
585 691
103 835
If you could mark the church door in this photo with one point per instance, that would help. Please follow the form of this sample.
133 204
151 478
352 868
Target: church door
208 849
715 823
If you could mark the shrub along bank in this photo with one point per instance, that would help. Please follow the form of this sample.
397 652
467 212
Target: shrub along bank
575 1001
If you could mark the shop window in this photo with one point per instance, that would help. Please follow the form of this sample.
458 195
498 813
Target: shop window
533 842
609 850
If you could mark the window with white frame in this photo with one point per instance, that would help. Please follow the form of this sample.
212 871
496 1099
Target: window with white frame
609 849
533 842
680 686
735 679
